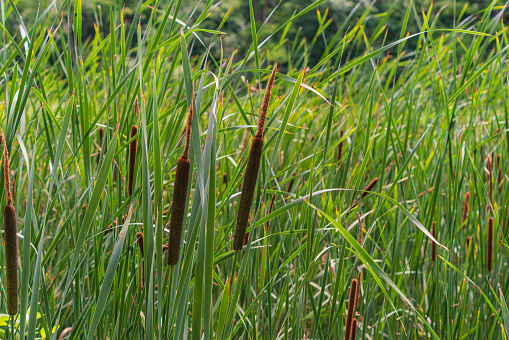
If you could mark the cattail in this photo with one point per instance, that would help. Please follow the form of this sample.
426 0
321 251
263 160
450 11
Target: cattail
225 178
340 146
139 236
489 258
179 200
353 335
465 208
500 177
358 294
112 226
370 186
290 184
11 242
433 247
253 165
365 192
361 227
132 153
469 239
351 305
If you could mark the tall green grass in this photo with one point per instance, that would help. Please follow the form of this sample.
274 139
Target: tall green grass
373 134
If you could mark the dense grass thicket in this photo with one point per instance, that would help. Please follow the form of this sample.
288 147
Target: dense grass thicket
379 208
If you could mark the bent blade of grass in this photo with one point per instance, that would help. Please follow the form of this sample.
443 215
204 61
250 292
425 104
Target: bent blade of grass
373 268
108 280
35 286
90 214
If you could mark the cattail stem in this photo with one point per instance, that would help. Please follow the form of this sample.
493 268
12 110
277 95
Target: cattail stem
139 236
132 158
351 309
489 258
11 243
433 247
179 199
251 174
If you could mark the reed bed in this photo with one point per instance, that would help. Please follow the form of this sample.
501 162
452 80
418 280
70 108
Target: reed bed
300 203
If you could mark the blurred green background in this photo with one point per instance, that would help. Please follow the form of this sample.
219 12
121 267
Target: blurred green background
338 15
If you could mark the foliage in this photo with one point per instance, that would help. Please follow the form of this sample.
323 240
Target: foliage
423 109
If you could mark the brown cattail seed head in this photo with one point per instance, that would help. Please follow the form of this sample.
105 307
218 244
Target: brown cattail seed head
11 243
369 187
248 189
358 295
361 227
11 259
433 247
179 200
178 209
290 184
469 239
351 309
132 158
465 207
489 258
253 165
353 335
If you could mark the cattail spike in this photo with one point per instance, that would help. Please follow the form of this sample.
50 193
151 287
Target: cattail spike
351 309
370 186
265 103
361 227
489 258
465 208
179 199
132 158
252 168
358 294
353 335
11 242
139 237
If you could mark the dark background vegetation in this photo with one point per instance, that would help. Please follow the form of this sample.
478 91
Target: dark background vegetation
336 13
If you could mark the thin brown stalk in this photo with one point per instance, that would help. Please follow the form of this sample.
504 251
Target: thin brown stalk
139 237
